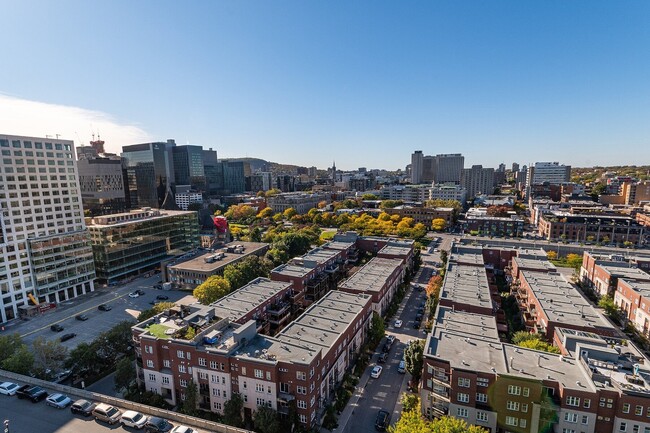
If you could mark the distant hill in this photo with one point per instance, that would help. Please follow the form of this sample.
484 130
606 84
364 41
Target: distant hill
264 165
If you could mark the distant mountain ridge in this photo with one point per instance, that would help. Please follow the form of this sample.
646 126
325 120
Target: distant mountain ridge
258 164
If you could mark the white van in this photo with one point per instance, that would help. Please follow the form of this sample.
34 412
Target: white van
401 368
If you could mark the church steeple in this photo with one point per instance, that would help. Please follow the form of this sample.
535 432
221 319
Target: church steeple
333 172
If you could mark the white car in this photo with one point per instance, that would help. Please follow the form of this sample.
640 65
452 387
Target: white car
376 371
59 401
134 295
8 388
391 339
398 323
134 419
182 429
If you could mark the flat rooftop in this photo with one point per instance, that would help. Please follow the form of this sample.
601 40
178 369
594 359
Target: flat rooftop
246 299
466 284
399 249
465 323
467 254
320 326
536 264
623 270
319 255
338 245
561 302
372 277
642 287
198 263
133 217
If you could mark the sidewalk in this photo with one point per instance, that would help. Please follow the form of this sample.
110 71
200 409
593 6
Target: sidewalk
344 417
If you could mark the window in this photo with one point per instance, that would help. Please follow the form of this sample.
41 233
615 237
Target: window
512 405
522 422
148 349
202 362
181 368
166 363
216 405
302 404
524 407
463 382
638 410
284 387
568 430
585 420
622 426
301 375
514 390
626 408
243 371
180 354
262 402
301 390
213 365
635 428
481 416
184 383
462 412
481 398
572 401
165 380
511 420
482 381
259 374
149 363
462 397
526 392
303 418
152 377
586 403
259 387
570 417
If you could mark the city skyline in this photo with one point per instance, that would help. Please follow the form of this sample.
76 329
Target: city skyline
363 84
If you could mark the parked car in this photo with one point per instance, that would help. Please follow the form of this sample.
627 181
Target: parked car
376 371
59 401
383 357
8 388
156 425
104 307
82 407
33 393
107 413
60 377
134 419
134 295
401 368
56 327
81 317
418 317
416 324
398 323
391 339
383 420
162 297
182 429
66 337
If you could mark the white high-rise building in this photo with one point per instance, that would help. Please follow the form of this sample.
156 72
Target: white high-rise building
551 172
45 252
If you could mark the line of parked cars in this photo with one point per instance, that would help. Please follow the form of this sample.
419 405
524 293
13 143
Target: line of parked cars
100 411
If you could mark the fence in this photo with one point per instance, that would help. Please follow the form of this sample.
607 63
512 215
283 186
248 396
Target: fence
125 404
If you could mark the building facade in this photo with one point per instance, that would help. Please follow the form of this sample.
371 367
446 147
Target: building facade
478 180
129 243
189 167
101 179
45 253
150 172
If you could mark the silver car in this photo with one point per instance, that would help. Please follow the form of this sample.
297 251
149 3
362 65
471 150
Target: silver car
59 401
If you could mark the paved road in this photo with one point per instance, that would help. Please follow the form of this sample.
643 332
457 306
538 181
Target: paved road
27 417
384 392
124 308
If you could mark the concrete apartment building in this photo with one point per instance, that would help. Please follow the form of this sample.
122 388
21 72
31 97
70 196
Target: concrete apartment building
423 215
379 278
551 172
408 193
494 226
447 191
301 202
585 228
442 168
601 273
629 193
45 253
303 364
130 243
189 273
477 180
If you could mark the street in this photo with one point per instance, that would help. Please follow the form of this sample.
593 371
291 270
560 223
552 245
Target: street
384 392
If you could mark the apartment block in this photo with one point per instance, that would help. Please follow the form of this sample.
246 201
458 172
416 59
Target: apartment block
423 215
408 193
585 228
478 180
494 226
188 273
447 191
45 253
601 273
303 364
301 202
380 278
129 243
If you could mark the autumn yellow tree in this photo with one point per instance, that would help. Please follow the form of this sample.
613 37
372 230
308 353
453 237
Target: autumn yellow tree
438 224
551 255
239 212
267 212
212 289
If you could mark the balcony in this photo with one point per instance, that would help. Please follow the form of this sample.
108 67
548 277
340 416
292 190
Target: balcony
439 410
332 269
439 394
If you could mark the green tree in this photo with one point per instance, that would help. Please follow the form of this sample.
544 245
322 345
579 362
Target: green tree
190 333
574 260
412 422
49 356
115 342
607 304
413 357
85 359
443 256
215 287
369 196
156 309
232 410
21 361
267 212
539 345
409 401
9 343
242 273
266 420
272 192
389 204
377 328
190 404
124 374
240 212
195 207
521 336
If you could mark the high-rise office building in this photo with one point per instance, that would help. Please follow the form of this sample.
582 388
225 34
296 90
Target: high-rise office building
189 167
102 182
551 172
442 168
417 159
213 174
45 252
150 172
478 180
515 167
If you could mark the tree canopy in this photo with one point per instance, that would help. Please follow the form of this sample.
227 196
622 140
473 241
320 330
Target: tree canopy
412 422
212 289
438 224
413 357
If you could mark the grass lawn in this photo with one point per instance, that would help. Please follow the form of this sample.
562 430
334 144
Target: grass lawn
158 330
325 236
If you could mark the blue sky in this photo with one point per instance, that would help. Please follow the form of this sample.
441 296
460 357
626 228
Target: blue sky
361 82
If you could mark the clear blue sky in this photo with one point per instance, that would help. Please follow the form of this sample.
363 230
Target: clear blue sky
361 82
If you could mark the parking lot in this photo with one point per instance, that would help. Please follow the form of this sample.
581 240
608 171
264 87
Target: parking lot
122 306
